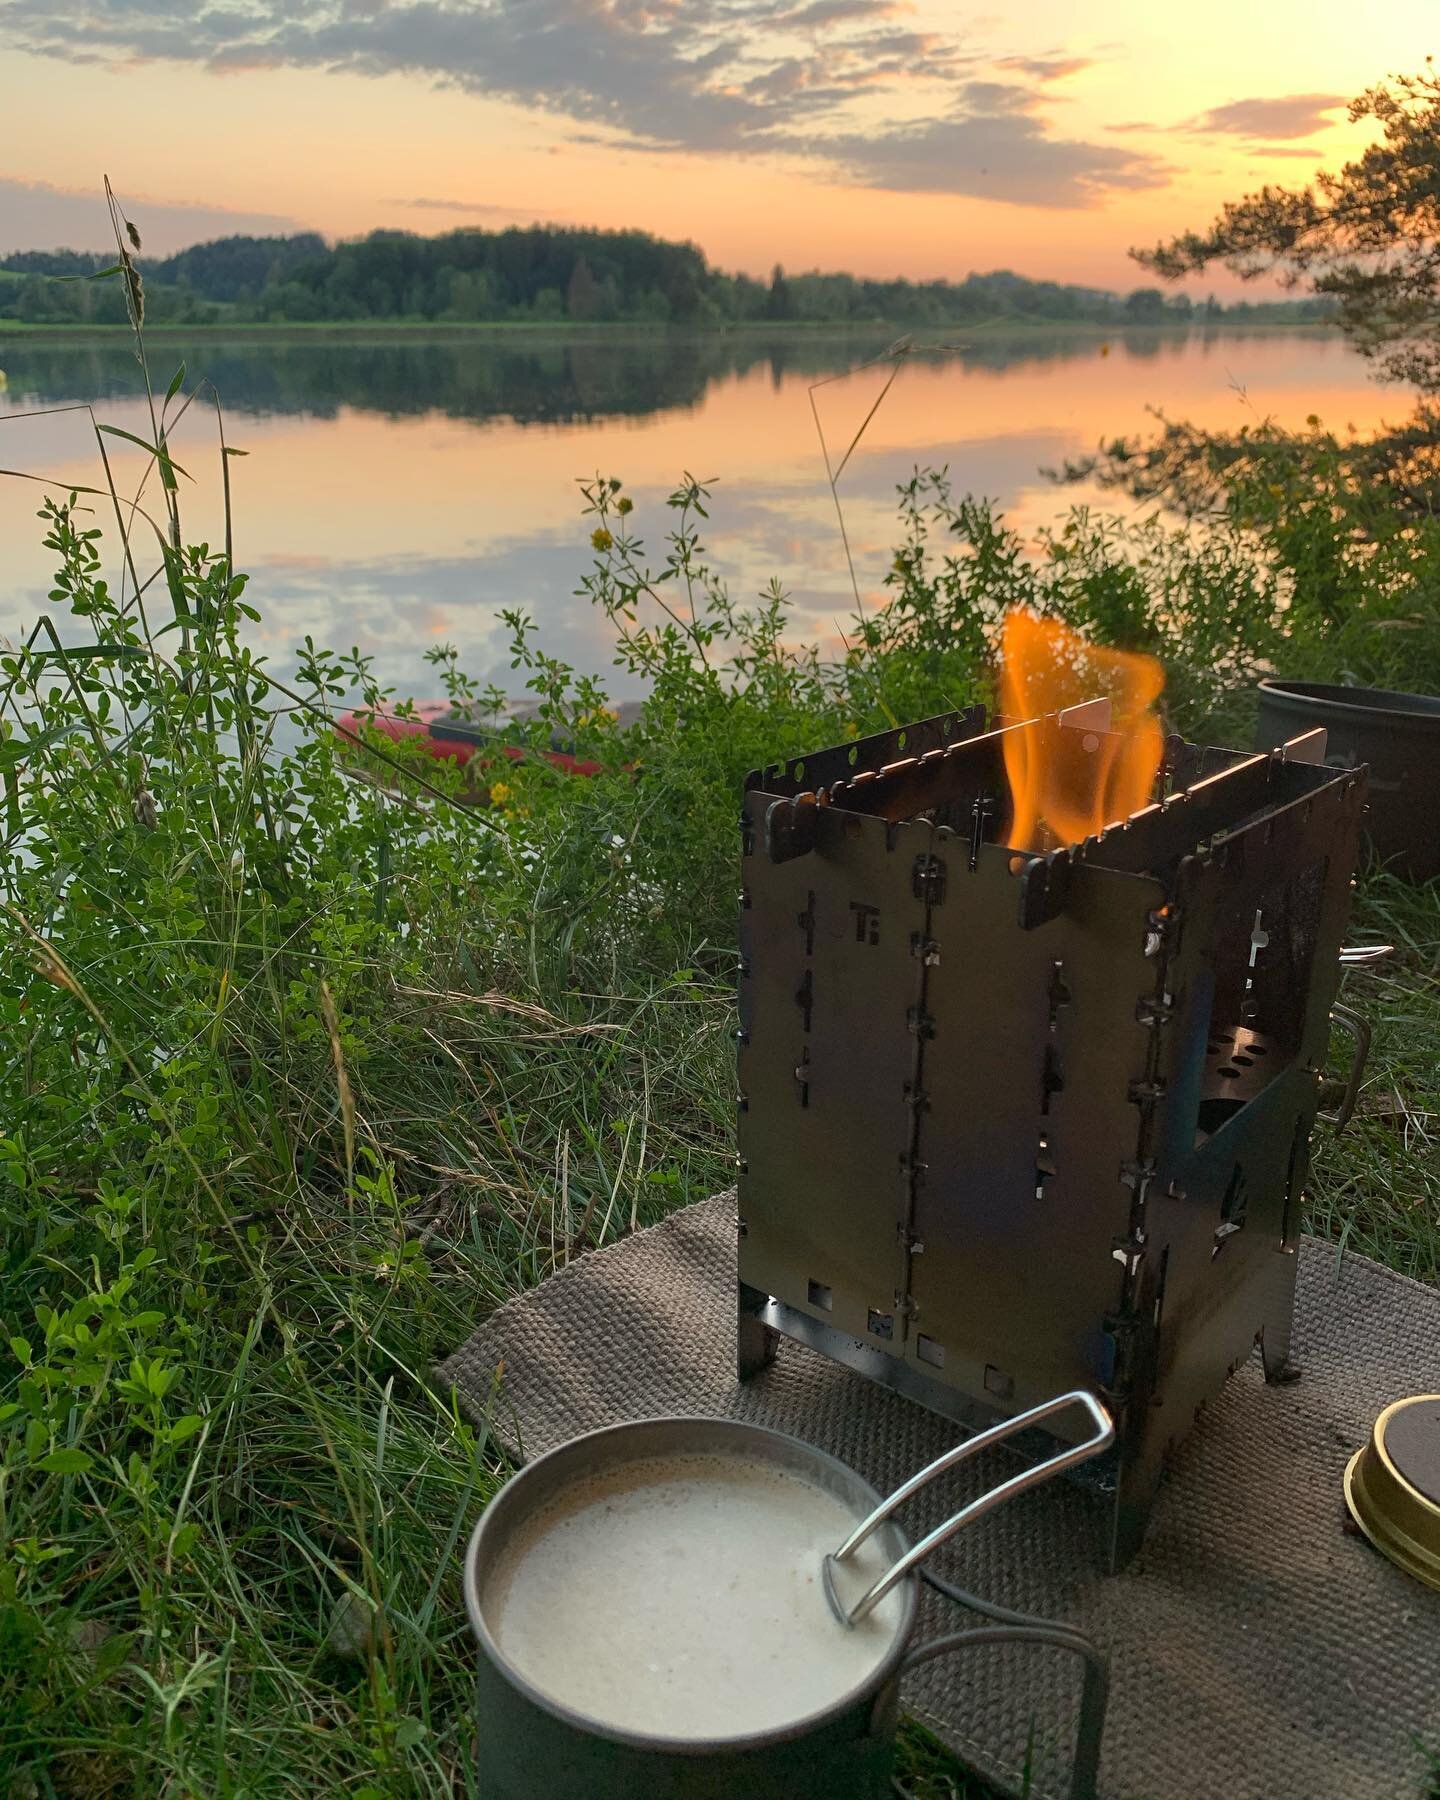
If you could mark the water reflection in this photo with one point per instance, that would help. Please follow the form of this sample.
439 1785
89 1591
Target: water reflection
399 491
540 379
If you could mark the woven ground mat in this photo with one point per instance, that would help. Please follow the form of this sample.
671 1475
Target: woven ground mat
1259 1652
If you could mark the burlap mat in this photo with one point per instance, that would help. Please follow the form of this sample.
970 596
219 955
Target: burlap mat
1258 1650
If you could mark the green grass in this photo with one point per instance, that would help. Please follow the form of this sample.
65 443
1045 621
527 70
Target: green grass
329 1467
298 1077
1375 1190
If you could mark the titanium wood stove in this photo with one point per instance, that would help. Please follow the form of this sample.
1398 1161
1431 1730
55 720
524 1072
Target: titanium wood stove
1014 1123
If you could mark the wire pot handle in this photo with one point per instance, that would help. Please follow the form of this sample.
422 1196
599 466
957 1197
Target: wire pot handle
1095 1694
1358 1030
1101 1439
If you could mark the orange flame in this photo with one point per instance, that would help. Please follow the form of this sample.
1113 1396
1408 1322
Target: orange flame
1067 782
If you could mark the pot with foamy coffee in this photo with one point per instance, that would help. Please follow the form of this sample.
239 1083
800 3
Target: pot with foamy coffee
691 1609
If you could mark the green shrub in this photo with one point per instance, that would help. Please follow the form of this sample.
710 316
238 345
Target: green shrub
1347 526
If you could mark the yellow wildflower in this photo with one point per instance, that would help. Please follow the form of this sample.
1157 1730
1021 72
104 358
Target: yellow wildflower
601 538
499 793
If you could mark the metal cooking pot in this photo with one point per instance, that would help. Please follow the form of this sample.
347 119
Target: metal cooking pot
531 1745
1397 735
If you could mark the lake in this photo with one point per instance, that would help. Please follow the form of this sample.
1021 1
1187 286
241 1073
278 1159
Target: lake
398 492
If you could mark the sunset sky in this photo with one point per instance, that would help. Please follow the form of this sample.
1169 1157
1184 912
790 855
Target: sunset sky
913 137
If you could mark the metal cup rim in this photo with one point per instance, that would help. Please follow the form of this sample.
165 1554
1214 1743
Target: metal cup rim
866 1499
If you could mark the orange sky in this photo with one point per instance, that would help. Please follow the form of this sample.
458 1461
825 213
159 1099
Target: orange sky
887 137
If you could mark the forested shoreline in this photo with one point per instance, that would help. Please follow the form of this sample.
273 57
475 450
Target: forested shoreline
541 275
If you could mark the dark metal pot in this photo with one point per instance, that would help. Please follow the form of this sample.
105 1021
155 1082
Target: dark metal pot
1397 734
531 1745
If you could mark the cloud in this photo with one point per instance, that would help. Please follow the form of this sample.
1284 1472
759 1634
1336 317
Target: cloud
489 207
37 214
1286 116
823 79
660 72
835 12
1046 68
1282 116
1001 155
996 97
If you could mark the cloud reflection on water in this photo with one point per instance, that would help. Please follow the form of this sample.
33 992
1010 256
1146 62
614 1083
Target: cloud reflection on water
398 493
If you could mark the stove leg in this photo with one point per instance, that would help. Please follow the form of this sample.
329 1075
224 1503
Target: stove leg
1139 1478
755 1342
1279 1317
1275 1355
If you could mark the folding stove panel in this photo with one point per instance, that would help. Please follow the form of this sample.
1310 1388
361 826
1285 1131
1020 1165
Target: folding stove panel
1013 1124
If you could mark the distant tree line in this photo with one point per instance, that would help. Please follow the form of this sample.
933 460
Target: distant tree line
544 274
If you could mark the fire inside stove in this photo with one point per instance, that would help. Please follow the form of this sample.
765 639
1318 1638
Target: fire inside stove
1017 1120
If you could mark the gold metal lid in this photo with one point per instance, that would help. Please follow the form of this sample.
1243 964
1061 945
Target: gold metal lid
1392 1486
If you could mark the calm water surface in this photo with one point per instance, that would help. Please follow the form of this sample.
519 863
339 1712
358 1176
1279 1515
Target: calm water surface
395 493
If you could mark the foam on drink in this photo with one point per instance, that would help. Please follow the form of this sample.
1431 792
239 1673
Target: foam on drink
684 1598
